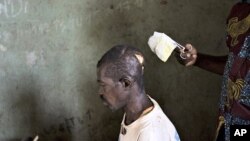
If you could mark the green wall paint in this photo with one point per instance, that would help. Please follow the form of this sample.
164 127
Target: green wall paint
49 50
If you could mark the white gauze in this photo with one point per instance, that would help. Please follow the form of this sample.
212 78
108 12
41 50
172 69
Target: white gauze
162 45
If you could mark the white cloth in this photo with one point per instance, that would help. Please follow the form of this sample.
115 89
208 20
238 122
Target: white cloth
154 126
162 45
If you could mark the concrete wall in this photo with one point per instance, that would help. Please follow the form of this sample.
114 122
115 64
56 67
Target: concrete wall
49 50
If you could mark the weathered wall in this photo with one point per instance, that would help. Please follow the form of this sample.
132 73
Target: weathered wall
49 50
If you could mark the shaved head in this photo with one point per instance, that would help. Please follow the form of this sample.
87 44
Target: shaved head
123 61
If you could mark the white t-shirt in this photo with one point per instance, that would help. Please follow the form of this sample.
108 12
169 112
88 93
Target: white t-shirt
154 126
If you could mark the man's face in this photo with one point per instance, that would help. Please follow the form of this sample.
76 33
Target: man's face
113 94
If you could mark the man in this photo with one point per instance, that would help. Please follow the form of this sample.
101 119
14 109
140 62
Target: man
120 78
234 106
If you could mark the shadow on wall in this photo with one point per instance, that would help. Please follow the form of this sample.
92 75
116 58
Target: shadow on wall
108 25
22 105
24 109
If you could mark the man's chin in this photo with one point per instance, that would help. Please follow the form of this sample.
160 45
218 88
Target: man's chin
113 109
109 106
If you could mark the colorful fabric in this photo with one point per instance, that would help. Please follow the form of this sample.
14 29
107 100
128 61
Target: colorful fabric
235 95
238 23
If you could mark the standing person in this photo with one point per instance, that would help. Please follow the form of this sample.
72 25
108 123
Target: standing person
234 106
120 77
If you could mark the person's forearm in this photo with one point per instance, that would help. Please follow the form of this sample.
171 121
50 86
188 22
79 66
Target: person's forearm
210 63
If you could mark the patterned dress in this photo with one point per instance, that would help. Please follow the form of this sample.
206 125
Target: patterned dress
234 106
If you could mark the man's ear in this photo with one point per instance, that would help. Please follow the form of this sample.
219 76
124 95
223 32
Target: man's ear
126 82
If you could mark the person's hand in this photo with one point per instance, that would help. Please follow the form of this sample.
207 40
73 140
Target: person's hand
189 55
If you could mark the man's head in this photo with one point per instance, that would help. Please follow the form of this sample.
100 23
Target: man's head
120 74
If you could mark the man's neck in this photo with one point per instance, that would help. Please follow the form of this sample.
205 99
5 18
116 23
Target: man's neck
136 106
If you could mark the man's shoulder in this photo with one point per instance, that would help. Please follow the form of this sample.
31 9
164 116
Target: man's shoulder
157 118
